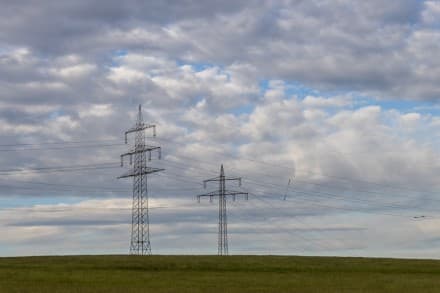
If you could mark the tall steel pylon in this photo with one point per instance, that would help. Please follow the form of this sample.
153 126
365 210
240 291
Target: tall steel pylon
222 193
140 222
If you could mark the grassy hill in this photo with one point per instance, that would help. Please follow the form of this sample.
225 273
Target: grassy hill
217 274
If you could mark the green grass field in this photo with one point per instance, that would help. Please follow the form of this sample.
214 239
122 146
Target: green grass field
217 274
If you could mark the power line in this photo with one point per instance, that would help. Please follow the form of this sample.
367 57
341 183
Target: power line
60 142
280 166
67 209
58 170
386 185
110 188
256 161
62 148
327 207
310 193
320 193
323 244
92 167
48 186
261 183
59 167
312 202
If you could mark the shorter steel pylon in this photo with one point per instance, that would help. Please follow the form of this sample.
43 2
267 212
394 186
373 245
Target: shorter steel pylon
222 194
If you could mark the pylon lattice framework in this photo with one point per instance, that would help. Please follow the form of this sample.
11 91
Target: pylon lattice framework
222 194
140 222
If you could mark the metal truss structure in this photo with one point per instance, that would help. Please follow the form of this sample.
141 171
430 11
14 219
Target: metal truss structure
222 194
138 156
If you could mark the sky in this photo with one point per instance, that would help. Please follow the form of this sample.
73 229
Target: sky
340 97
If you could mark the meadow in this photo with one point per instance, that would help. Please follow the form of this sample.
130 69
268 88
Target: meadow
217 274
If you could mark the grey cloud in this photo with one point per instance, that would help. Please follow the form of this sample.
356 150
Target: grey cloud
340 46
57 27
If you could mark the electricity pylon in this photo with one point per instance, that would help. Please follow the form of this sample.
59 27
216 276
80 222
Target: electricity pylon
222 193
140 222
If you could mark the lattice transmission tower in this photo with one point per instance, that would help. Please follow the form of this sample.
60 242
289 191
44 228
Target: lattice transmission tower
222 194
139 155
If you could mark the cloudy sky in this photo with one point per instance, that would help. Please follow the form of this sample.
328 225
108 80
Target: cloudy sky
341 97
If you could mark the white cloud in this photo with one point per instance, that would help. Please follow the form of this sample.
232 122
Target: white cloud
431 13
410 119
318 102
101 110
126 75
75 71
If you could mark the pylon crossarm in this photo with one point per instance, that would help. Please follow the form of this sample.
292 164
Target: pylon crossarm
215 179
216 193
213 193
227 193
236 193
147 148
209 194
147 170
141 149
218 178
236 178
140 127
